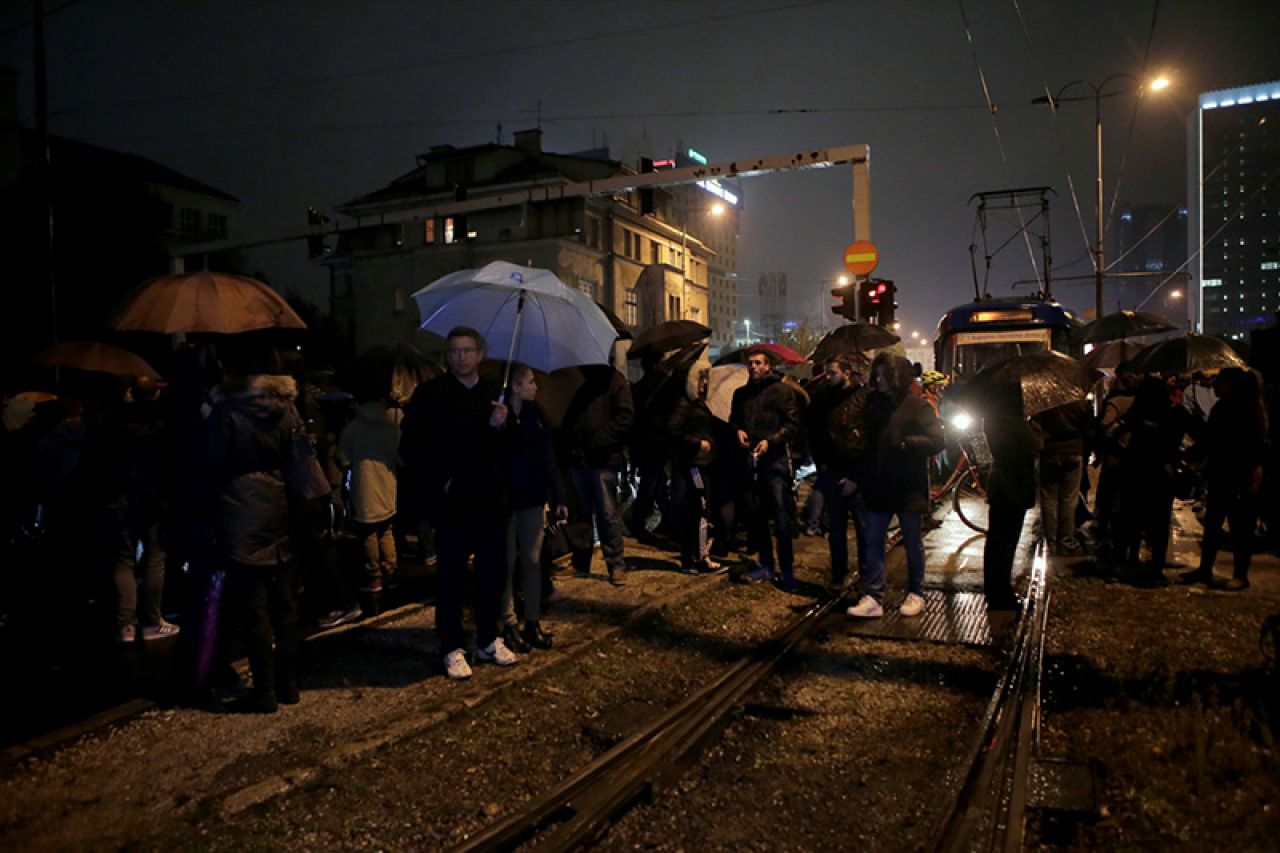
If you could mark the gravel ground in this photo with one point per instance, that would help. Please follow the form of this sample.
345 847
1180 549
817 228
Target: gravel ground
854 741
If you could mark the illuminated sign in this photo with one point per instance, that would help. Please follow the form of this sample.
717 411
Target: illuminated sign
716 189
668 163
697 156
1002 317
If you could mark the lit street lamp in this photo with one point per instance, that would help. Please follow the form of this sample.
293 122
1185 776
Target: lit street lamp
717 209
1099 92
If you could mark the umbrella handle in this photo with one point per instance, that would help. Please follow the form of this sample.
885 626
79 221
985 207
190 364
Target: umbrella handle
511 350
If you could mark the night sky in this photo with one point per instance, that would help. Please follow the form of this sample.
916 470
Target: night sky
289 104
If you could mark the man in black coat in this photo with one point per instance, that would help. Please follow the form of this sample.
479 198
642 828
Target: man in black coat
766 416
1011 491
836 423
454 438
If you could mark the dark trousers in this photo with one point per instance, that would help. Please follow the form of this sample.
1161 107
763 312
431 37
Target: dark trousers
840 508
651 491
1004 529
1148 517
132 527
1239 508
269 616
453 545
727 485
690 486
774 501
597 490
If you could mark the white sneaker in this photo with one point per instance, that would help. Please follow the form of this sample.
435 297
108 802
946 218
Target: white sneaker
912 605
456 666
497 652
866 608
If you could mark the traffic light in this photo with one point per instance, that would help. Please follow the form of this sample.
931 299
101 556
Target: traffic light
316 247
845 307
886 292
868 305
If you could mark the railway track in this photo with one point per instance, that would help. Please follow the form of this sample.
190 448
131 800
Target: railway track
986 810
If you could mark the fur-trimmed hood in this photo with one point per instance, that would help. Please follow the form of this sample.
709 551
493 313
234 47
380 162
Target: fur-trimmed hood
261 395
900 372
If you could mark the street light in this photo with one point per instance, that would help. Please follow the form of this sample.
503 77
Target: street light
1099 92
717 209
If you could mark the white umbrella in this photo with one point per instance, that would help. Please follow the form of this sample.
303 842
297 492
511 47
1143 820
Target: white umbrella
724 380
543 322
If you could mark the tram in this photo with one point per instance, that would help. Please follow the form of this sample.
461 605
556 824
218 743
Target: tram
979 334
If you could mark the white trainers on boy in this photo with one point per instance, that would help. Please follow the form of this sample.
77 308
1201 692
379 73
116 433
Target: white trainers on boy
497 652
912 605
866 608
456 666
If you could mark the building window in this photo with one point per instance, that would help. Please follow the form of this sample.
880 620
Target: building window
429 231
631 307
218 226
449 236
655 252
589 286
190 220
626 242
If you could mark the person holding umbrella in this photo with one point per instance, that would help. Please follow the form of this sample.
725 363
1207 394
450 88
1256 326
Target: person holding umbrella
454 438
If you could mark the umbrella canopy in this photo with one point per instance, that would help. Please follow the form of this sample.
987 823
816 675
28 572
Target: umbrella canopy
778 354
851 340
1187 354
724 380
203 302
394 370
98 357
667 336
1124 324
572 389
1111 355
1046 380
526 313
623 330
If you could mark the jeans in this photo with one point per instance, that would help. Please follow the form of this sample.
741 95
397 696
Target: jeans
877 527
776 502
1059 494
598 500
839 509
129 529
651 492
689 511
1241 510
379 543
454 543
524 550
1004 526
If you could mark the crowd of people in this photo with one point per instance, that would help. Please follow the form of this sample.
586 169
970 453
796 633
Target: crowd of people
237 472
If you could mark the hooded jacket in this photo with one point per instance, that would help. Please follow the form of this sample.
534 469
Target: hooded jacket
837 427
902 433
370 447
251 433
767 409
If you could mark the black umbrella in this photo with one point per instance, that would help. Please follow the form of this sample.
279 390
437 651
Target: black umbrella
623 330
1187 354
1112 354
394 370
852 339
664 337
1046 380
1124 324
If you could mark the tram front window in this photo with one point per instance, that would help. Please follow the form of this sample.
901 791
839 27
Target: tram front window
971 358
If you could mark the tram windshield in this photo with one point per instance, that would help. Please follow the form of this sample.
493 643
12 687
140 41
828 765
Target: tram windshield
969 352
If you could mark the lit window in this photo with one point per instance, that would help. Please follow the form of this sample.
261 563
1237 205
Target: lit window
429 231
449 236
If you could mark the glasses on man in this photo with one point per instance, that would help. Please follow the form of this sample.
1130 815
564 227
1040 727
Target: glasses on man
462 350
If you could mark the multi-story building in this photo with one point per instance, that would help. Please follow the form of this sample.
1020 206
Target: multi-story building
1150 245
628 251
1234 214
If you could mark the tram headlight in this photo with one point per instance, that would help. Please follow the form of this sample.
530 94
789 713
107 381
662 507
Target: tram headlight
962 420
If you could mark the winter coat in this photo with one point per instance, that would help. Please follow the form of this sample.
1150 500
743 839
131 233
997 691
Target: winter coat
655 397
1014 447
1235 438
370 447
133 457
836 421
689 425
902 433
535 476
598 420
460 461
1066 430
767 409
254 433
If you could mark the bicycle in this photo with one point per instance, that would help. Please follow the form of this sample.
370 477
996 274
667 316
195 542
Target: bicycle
967 482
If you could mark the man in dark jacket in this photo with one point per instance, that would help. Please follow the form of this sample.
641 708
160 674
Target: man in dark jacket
1065 431
836 422
902 433
1011 491
454 437
766 417
594 429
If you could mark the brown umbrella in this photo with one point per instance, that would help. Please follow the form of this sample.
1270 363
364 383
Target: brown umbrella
204 302
98 357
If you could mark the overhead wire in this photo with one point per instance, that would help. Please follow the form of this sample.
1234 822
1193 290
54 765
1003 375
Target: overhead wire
995 128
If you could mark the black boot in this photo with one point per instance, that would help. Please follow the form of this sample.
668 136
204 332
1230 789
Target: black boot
287 693
535 637
514 641
257 702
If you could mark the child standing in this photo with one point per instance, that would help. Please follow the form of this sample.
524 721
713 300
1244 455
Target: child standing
369 446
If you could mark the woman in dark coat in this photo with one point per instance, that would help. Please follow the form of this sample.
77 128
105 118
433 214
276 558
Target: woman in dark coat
262 462
535 482
1236 436
1011 491
902 432
692 433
